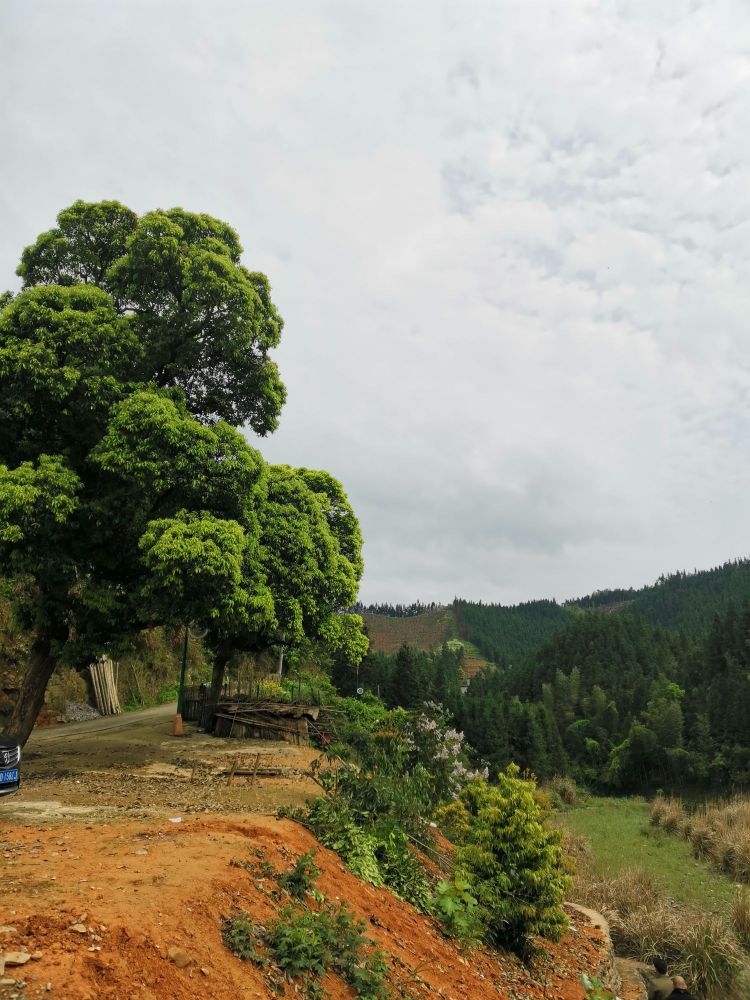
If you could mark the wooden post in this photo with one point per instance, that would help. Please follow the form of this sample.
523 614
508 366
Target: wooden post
255 769
94 671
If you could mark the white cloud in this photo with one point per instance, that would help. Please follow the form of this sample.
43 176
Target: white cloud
510 241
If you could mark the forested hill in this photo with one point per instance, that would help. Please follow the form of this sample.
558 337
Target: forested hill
680 602
684 603
506 634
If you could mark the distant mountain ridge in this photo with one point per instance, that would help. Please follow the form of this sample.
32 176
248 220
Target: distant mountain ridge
506 634
681 602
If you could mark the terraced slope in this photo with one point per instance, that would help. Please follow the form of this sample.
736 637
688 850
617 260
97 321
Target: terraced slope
426 632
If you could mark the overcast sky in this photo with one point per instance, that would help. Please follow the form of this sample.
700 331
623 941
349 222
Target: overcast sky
510 241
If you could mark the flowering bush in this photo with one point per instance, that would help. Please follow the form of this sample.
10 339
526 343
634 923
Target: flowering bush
442 751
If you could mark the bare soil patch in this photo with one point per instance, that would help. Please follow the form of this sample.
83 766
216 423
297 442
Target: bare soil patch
131 765
119 847
102 905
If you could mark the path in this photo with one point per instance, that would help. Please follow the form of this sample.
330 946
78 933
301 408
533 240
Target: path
131 765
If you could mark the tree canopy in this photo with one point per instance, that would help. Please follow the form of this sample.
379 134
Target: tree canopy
127 495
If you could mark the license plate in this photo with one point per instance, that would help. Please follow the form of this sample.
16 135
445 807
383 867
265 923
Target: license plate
6 777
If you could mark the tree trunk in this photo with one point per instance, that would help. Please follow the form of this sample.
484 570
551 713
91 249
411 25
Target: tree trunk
31 696
223 652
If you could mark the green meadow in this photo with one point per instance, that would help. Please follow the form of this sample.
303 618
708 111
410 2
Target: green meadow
622 837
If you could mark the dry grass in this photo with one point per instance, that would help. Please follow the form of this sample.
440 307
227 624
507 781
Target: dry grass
669 814
645 923
564 789
719 832
739 914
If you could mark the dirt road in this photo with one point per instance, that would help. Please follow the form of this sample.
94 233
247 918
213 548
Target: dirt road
131 765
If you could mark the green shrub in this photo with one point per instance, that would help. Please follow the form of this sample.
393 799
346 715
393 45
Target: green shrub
513 861
306 944
300 881
167 693
378 854
335 827
454 905
454 821
401 870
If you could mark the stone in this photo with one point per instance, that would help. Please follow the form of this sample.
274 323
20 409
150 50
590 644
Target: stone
180 958
8 930
78 928
16 957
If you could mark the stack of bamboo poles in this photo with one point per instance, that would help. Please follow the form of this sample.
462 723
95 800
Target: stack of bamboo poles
105 686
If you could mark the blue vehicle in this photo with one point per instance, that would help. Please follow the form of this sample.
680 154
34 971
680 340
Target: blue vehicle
10 766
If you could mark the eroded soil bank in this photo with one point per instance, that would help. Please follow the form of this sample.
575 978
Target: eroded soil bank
103 904
120 845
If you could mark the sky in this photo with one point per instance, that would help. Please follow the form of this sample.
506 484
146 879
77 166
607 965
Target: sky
510 242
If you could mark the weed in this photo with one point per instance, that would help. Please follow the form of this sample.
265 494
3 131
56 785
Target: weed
300 881
305 944
456 908
240 935
297 944
595 989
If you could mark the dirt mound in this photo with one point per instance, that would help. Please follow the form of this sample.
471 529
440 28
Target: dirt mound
103 905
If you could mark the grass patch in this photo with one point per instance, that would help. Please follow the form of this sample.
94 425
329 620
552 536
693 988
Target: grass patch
622 838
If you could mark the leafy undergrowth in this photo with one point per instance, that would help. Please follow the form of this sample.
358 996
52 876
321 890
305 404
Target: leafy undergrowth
304 944
305 925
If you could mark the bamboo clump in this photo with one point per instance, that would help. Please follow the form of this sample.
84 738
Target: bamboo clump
105 688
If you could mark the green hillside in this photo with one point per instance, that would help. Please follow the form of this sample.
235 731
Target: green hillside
680 602
506 634
510 635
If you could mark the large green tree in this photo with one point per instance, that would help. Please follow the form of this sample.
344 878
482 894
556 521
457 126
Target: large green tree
310 557
127 496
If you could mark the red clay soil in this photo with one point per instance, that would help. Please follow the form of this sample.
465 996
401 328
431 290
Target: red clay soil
137 889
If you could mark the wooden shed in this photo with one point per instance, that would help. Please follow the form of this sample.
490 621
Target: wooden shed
265 721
